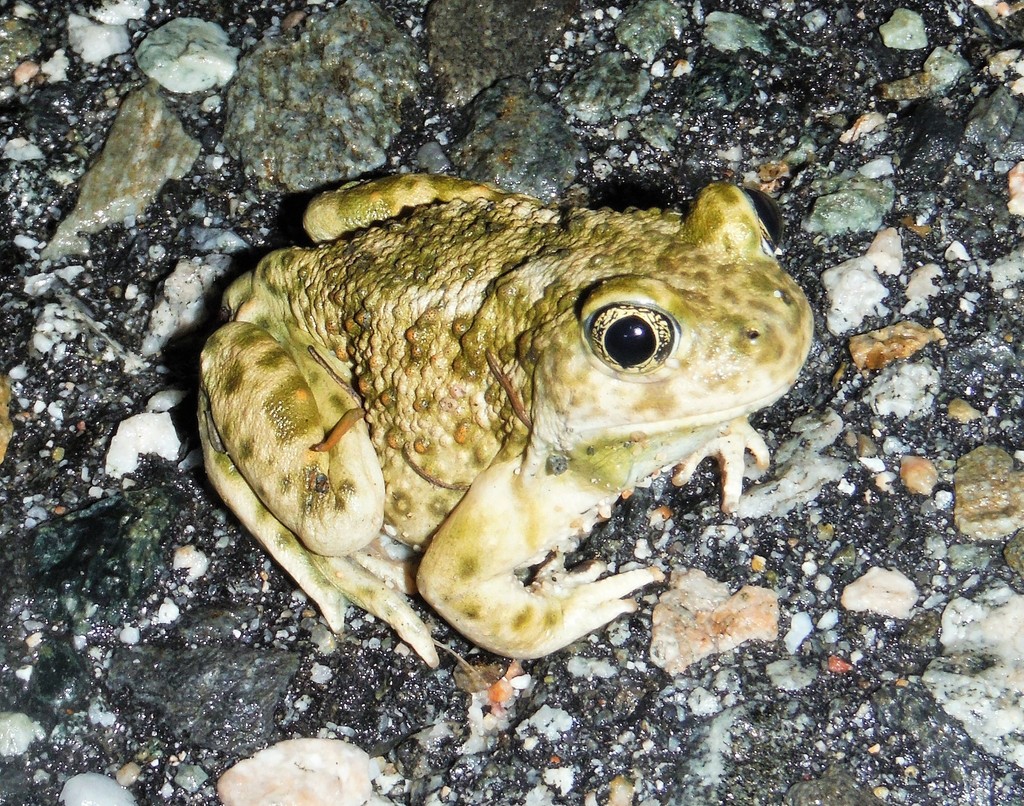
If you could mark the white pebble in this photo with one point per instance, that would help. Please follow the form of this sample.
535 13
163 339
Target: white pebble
188 54
882 591
192 560
93 789
886 251
148 432
800 626
18 149
300 772
854 293
1015 180
93 41
17 732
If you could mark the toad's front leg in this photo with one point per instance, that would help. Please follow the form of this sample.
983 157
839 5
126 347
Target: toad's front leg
314 503
506 520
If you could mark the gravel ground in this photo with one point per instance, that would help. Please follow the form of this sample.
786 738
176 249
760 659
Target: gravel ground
144 634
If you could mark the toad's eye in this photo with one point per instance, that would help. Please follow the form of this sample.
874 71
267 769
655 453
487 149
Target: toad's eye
768 217
631 338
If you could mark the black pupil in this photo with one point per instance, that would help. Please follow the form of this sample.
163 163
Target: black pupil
630 341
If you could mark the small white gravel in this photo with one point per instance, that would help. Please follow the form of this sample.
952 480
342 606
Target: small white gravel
93 789
883 591
95 42
149 432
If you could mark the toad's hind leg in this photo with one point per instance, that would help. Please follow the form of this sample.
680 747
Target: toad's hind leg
263 408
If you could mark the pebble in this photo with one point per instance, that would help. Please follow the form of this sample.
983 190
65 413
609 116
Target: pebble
300 772
730 33
1015 187
883 591
943 68
19 39
17 732
995 123
1013 552
345 78
696 617
93 789
519 142
921 288
181 305
118 12
146 433
188 55
146 146
886 251
904 30
979 680
6 426
95 42
918 474
850 203
932 140
611 87
854 293
906 391
649 25
879 348
989 494
962 411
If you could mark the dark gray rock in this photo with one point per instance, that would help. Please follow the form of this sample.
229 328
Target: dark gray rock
473 43
519 142
995 124
222 698
835 788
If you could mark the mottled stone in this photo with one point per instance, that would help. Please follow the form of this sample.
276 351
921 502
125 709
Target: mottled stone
19 39
519 142
649 25
146 146
220 697
979 680
323 107
1013 553
611 87
996 124
942 70
904 30
730 32
879 348
989 494
697 617
188 55
473 43
850 204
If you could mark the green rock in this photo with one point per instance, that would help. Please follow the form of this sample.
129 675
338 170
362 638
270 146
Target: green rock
18 40
733 32
851 203
610 88
649 25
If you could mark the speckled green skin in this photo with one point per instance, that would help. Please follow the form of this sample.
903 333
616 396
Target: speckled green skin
425 290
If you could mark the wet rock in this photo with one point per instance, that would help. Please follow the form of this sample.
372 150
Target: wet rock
996 124
326 106
719 83
518 142
473 43
854 293
187 55
611 87
98 563
221 697
918 474
61 678
19 39
906 391
932 138
850 203
17 732
989 494
649 25
146 146
979 680
835 788
881 590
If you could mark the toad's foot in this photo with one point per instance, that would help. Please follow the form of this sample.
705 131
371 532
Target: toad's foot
730 449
